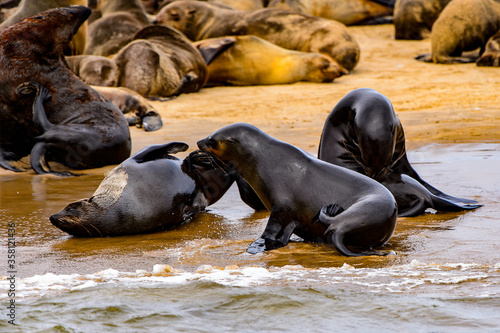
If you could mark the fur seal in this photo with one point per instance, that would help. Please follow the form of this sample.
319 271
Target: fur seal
353 12
57 117
491 54
300 191
413 18
250 60
293 31
363 133
119 21
464 25
94 70
150 191
28 8
162 62
136 108
240 4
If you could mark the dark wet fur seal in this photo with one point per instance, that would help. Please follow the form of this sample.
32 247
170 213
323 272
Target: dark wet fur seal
352 12
318 201
413 19
464 25
94 70
137 110
28 8
150 191
293 31
160 62
57 117
250 60
363 133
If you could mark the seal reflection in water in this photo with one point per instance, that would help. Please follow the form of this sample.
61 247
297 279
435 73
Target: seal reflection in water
363 133
150 191
317 201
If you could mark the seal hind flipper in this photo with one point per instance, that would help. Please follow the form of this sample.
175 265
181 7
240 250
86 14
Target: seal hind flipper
156 152
278 231
211 49
338 242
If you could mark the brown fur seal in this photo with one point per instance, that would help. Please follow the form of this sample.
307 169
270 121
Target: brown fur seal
162 62
317 201
94 70
293 31
119 21
250 60
347 12
29 7
491 55
239 4
464 25
57 117
413 18
136 108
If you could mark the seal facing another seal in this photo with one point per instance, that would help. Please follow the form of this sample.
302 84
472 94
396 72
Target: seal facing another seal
300 191
363 133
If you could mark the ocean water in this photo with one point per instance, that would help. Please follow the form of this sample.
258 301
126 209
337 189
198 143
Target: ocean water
445 276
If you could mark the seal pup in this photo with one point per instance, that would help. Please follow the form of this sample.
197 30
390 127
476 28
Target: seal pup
150 191
250 60
161 62
491 54
363 133
29 7
464 25
137 110
94 70
353 12
75 126
119 21
293 31
318 201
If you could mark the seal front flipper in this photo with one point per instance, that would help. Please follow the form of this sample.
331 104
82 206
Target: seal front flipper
278 231
212 48
248 195
156 152
151 121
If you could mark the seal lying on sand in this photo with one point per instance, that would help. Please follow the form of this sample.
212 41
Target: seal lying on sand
464 25
94 70
250 60
363 133
300 191
57 117
413 18
162 62
293 31
350 12
491 54
29 8
150 191
136 108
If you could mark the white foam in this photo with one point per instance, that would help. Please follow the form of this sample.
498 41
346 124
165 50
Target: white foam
415 277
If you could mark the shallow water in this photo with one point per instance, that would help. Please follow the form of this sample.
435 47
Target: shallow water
198 277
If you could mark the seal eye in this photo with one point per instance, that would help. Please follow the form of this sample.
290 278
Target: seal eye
231 140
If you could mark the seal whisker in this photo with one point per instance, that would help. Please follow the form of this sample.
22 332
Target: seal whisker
347 149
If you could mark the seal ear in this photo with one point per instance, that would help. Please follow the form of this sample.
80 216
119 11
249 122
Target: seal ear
213 48
157 152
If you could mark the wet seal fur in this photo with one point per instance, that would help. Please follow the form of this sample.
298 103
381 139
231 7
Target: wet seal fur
463 25
150 191
318 201
57 117
250 60
363 133
161 62
353 12
414 18
137 110
293 31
